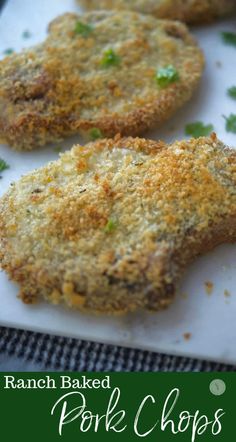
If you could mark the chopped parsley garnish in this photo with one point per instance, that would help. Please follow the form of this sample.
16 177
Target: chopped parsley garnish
57 149
3 165
232 92
110 58
229 38
198 129
110 226
26 34
95 134
231 123
166 76
83 29
8 51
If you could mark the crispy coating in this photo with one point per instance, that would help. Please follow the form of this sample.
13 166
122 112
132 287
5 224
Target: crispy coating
62 86
110 226
189 11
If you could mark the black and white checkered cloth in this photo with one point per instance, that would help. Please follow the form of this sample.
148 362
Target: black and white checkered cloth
47 352
2 3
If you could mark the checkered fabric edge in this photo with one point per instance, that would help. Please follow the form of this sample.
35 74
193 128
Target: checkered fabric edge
67 354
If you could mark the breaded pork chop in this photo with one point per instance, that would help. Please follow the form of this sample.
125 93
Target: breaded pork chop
189 11
102 73
110 226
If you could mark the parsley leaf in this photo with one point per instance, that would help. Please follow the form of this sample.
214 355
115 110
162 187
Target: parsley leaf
95 134
166 76
57 149
8 51
110 226
232 92
3 165
26 34
198 129
229 38
110 58
83 29
230 123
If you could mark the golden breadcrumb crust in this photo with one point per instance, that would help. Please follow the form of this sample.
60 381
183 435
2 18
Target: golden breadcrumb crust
111 225
189 11
62 87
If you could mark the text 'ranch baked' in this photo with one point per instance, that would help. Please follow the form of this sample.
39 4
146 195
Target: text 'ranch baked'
101 74
110 226
190 11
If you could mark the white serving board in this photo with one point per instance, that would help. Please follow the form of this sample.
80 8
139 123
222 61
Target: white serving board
209 319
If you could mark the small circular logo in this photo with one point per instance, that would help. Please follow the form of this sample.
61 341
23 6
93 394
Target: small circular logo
217 387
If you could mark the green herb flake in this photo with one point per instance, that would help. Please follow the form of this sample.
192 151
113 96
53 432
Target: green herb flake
83 29
110 58
57 149
110 226
95 134
232 92
166 76
3 165
26 34
229 38
8 51
198 129
230 123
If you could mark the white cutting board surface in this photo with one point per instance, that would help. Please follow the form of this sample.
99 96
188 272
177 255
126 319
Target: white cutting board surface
209 319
